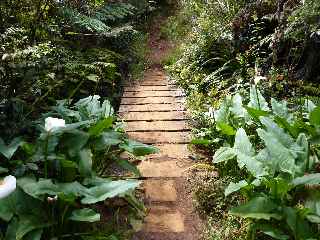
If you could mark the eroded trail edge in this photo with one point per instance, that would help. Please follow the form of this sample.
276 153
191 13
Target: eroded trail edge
153 111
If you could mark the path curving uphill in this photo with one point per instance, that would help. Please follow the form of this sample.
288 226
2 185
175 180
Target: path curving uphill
154 113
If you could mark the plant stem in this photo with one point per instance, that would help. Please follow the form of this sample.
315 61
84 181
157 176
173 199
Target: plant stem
257 95
46 156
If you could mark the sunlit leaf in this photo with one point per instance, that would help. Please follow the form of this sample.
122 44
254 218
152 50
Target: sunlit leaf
258 208
234 187
98 128
223 154
9 150
109 190
84 215
137 148
85 162
315 116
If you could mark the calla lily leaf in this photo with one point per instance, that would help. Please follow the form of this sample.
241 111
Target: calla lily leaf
85 215
109 190
9 150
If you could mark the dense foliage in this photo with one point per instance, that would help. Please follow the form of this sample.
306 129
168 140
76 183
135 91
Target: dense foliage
59 183
61 67
61 49
250 70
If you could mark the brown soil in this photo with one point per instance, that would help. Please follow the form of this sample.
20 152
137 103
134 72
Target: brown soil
153 112
160 47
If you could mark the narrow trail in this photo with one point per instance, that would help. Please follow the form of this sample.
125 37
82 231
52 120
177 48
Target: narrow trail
153 111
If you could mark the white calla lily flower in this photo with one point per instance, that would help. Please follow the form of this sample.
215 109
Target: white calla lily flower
257 79
54 123
7 186
211 112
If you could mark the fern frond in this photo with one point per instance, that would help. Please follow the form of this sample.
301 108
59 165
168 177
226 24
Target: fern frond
83 22
113 12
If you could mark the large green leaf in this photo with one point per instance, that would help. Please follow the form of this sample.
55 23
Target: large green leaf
297 223
223 154
237 107
313 218
245 154
95 181
107 139
74 189
69 170
8 207
273 129
315 116
272 231
107 109
281 158
242 143
84 215
310 179
85 162
255 167
257 101
282 122
34 235
38 189
9 150
256 113
309 106
29 223
91 108
109 190
74 141
234 187
3 170
280 109
226 128
98 128
303 159
137 148
12 229
222 114
258 208
27 205
313 204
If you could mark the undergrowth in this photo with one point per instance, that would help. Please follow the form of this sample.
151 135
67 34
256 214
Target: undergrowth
248 67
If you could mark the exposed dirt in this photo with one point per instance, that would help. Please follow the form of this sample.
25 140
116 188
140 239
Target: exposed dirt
160 47
152 111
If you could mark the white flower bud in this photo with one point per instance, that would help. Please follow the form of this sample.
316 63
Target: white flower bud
7 186
257 79
52 199
54 123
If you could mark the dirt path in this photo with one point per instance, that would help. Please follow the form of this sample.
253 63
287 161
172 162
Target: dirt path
154 114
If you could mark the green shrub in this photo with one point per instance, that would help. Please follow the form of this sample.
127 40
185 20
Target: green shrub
281 163
59 183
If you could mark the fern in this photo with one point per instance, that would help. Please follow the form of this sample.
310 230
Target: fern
83 22
98 21
117 31
113 12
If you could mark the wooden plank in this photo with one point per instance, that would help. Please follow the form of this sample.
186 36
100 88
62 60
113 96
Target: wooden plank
153 94
152 107
147 100
160 137
138 88
153 116
141 126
